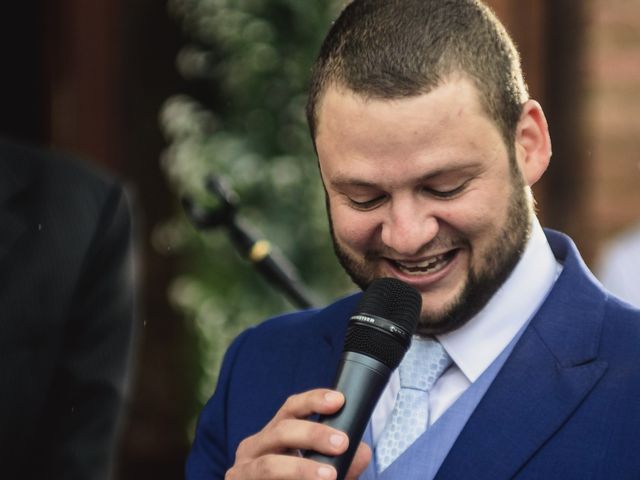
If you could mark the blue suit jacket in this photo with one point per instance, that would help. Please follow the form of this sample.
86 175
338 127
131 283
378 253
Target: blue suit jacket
566 404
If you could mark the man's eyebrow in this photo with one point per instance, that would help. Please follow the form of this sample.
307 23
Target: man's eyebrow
349 181
464 168
345 181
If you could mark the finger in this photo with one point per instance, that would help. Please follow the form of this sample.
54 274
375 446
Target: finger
302 405
288 431
281 467
292 434
360 461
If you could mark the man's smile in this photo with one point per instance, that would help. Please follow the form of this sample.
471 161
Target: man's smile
430 265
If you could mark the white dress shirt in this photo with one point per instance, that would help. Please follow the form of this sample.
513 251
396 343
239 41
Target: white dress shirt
475 345
619 267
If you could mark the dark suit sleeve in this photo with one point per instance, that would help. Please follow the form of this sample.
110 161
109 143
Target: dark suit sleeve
210 457
89 386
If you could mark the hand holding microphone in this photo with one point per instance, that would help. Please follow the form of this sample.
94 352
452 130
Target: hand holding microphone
378 335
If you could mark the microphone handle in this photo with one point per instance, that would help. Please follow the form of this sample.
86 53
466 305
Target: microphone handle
361 379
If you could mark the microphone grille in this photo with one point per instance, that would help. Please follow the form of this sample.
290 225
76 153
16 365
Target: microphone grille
394 301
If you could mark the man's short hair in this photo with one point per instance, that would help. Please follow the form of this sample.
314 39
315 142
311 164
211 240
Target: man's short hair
389 49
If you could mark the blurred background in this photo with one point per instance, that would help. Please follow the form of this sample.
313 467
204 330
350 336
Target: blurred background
165 94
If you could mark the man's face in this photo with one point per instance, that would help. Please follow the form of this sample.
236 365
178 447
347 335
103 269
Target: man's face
422 189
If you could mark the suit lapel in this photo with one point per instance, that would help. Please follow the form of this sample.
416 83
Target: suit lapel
318 360
550 372
528 402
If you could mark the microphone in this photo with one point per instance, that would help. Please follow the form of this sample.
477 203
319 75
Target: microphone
378 335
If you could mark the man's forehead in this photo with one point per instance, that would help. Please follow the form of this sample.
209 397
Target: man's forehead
340 91
342 100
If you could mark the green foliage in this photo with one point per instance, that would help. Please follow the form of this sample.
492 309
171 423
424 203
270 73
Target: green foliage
253 57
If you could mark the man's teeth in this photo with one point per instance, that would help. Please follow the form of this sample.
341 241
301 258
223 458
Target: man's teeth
432 265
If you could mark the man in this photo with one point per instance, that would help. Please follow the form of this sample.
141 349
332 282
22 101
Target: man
617 267
67 315
428 145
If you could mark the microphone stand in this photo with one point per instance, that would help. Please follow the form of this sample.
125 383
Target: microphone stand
274 268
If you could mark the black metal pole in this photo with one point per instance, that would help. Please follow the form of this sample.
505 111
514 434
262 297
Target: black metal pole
276 270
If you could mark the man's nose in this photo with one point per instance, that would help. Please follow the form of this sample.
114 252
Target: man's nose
408 227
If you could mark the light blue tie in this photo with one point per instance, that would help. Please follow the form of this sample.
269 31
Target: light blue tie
421 366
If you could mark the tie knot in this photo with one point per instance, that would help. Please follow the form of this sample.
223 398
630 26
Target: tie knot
423 363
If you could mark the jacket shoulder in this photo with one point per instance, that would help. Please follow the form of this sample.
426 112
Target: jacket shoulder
324 322
265 364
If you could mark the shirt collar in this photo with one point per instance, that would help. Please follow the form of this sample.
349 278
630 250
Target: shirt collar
475 345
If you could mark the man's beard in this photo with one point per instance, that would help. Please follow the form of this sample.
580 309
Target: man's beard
499 261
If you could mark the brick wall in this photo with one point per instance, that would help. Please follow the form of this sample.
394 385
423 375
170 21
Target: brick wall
612 69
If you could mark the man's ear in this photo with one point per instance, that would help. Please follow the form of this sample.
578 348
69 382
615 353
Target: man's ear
533 145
